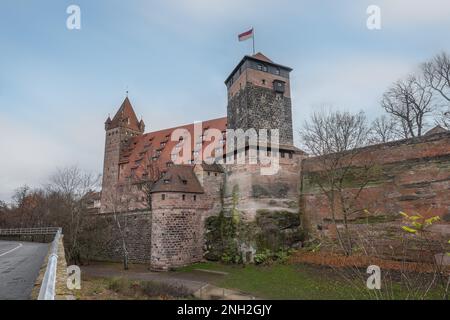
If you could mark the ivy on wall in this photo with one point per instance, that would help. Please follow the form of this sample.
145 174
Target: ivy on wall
271 234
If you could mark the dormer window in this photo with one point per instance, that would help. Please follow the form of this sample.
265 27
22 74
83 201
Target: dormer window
184 181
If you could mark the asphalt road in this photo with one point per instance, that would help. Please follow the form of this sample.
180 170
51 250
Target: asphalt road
19 267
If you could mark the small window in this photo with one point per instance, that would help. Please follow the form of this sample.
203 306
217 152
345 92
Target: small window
265 68
195 198
163 197
282 154
184 181
215 174
183 197
209 173
290 155
259 67
263 81
277 71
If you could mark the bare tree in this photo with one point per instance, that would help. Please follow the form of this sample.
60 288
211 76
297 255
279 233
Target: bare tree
335 139
72 182
66 188
437 75
443 119
383 129
411 101
151 175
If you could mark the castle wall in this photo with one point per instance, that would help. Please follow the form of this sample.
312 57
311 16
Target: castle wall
412 176
177 229
110 165
137 228
259 107
253 191
212 183
257 77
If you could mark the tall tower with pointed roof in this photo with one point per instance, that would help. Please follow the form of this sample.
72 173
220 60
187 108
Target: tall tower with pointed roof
119 130
259 97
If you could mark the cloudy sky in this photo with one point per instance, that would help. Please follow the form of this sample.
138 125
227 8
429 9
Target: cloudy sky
58 86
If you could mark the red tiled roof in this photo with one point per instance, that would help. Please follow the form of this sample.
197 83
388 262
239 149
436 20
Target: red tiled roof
146 154
262 57
125 117
179 178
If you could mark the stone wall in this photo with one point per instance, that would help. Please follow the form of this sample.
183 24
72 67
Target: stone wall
177 229
137 229
411 175
254 191
258 107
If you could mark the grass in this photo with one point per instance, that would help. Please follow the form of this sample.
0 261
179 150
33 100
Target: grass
294 281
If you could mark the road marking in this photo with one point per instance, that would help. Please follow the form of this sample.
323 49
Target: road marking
13 249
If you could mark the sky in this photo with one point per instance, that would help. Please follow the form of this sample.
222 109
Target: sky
58 86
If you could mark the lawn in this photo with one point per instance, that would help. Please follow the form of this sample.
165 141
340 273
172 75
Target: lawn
295 281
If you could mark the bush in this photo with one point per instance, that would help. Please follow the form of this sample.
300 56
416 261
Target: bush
263 257
121 285
157 289
268 257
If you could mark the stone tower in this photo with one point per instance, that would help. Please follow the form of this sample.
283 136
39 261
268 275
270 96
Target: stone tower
259 97
122 127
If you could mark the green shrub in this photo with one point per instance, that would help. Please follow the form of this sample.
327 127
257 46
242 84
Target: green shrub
263 256
267 256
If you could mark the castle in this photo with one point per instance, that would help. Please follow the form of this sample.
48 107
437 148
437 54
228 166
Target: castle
171 213
165 203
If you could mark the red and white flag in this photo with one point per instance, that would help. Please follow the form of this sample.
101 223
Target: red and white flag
246 35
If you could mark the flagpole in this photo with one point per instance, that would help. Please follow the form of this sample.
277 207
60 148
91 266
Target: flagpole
253 38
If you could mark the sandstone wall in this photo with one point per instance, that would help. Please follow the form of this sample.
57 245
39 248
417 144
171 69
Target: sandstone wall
412 176
177 229
263 192
137 228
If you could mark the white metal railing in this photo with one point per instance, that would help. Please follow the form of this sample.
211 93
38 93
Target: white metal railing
47 291
29 231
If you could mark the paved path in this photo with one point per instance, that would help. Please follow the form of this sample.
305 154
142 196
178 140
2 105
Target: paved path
19 267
